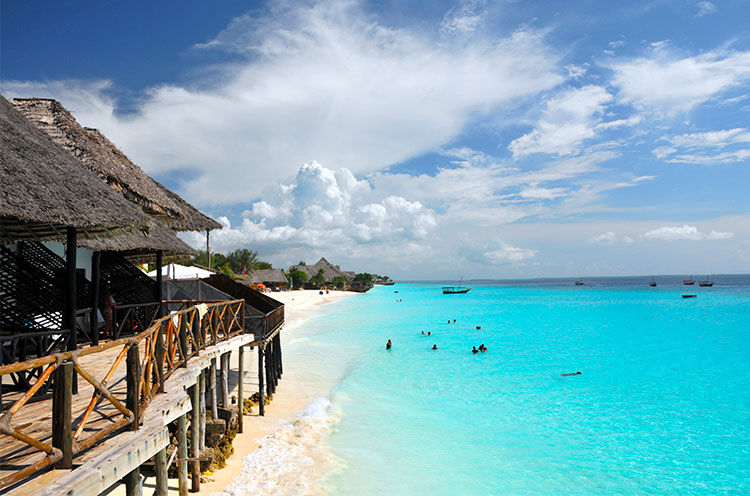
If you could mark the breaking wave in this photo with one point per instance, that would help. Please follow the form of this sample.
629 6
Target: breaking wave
290 460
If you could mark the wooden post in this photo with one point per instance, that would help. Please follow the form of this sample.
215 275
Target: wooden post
195 430
212 388
281 363
62 433
240 388
195 328
132 403
182 471
159 358
95 281
208 248
225 380
269 365
133 377
159 287
183 341
261 395
202 380
69 312
160 467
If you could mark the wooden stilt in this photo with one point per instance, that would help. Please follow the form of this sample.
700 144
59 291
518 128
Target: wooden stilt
261 395
182 469
212 387
225 380
160 467
202 439
195 421
240 388
133 483
62 433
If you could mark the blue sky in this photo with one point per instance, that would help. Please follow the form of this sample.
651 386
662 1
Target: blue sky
422 139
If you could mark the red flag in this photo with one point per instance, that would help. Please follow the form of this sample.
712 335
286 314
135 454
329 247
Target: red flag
244 269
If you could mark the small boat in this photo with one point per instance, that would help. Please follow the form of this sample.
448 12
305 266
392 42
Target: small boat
706 283
579 282
689 296
652 283
688 282
456 289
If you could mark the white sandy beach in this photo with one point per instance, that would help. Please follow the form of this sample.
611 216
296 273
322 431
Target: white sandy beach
294 392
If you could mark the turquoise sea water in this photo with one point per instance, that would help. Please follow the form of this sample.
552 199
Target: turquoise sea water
662 405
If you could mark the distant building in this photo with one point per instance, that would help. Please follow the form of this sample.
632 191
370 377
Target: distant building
269 277
330 271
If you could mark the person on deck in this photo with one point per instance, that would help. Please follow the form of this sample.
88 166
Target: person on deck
109 303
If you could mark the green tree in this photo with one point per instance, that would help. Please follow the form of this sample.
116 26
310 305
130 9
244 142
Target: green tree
363 278
262 266
318 279
226 270
239 259
217 259
339 281
298 278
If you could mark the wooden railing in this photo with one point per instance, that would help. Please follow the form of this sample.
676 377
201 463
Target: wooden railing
263 326
167 344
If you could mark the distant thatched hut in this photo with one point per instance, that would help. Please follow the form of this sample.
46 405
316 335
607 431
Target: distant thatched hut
269 277
330 271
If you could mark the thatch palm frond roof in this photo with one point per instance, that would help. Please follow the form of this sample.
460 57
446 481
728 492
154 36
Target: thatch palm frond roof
330 271
271 276
43 189
142 245
98 153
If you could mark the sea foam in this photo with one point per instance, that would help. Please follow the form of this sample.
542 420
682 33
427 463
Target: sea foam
291 459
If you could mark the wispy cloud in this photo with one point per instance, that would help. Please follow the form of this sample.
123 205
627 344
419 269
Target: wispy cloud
685 232
667 83
706 8
700 148
566 122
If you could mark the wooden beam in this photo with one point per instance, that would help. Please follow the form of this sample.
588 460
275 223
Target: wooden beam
133 378
62 429
224 375
212 389
202 384
159 286
69 311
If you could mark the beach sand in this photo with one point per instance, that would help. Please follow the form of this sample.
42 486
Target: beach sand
294 392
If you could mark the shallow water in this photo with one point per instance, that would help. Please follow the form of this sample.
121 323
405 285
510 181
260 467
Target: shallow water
662 405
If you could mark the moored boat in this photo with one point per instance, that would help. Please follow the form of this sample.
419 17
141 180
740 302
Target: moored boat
705 283
456 289
653 282
689 296
688 282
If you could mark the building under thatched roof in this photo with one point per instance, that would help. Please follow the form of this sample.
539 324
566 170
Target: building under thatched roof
43 189
269 277
140 247
98 153
330 271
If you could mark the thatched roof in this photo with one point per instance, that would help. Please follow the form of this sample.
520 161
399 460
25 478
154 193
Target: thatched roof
96 151
137 245
330 271
43 190
267 276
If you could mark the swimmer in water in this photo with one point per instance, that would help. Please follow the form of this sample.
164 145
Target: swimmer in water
388 345
429 333
474 350
571 373
434 346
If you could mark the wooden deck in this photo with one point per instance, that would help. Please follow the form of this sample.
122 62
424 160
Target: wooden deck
96 469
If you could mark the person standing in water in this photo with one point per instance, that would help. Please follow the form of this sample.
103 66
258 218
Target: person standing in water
434 347
388 345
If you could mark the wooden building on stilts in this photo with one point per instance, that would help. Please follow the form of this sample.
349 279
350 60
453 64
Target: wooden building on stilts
89 391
